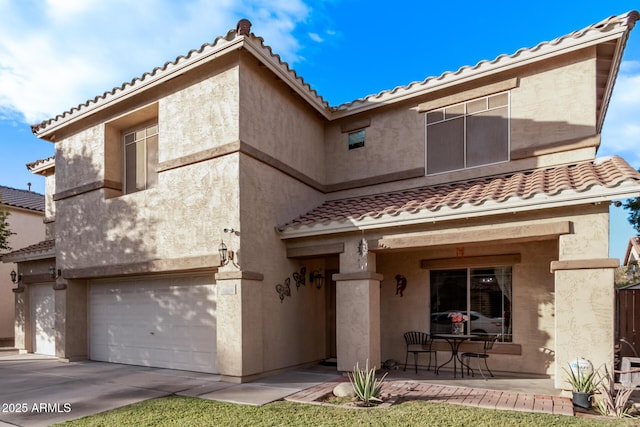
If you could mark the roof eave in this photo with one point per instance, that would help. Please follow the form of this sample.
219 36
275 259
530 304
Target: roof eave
29 256
599 194
148 81
500 64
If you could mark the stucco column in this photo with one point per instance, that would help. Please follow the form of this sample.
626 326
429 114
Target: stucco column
239 332
584 314
71 319
357 319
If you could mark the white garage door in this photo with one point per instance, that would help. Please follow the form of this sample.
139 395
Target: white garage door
165 322
43 320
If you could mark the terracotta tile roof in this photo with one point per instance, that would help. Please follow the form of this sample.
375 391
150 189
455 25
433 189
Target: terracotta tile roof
256 45
628 19
41 166
192 56
46 247
21 199
605 173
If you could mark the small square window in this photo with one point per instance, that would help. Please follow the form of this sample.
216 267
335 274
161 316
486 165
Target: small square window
356 139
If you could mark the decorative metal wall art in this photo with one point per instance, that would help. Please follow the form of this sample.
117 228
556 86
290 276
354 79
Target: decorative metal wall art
300 278
401 284
284 290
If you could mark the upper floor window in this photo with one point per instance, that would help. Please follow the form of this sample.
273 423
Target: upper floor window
469 134
140 158
356 139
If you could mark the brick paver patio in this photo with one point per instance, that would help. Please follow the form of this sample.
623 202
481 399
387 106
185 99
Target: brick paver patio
468 396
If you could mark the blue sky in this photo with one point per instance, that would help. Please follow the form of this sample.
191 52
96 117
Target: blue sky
56 54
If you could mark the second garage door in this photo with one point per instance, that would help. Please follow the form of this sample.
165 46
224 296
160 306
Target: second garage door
164 321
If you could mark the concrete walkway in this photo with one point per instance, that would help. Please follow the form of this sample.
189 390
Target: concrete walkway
39 391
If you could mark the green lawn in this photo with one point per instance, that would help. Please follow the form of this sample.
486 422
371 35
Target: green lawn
183 411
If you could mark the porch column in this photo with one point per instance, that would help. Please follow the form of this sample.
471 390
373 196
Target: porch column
239 338
357 319
584 313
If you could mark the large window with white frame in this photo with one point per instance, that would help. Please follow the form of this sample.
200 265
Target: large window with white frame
483 295
140 158
469 134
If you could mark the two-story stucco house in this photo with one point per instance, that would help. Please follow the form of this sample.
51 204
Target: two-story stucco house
217 215
26 215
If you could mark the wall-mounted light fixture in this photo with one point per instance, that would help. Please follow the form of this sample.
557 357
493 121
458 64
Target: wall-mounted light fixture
316 278
15 277
226 255
53 273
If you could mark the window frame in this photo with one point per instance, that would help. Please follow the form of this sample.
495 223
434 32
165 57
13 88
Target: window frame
148 183
506 332
464 105
359 141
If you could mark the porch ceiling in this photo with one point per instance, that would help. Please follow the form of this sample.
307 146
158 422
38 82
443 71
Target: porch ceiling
586 182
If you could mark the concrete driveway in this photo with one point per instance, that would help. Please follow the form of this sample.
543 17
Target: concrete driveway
40 391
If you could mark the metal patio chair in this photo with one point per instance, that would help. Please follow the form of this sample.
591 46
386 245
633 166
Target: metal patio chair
486 346
419 342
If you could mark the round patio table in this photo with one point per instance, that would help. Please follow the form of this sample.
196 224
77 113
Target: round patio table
454 341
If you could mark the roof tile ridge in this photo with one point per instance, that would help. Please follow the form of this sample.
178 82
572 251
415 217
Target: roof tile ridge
289 69
22 190
629 18
133 81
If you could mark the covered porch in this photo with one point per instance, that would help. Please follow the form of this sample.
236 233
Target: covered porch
540 252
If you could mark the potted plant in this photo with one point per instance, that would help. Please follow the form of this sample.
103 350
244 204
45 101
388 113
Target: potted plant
457 322
584 381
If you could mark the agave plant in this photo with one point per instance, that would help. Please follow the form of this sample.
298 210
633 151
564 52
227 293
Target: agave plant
365 384
582 382
614 402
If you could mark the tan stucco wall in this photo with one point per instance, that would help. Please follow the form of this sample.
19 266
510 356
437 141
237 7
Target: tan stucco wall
279 124
543 107
394 141
291 331
29 229
543 111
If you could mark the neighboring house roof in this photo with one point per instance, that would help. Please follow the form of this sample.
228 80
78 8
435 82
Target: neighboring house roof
40 250
586 182
21 199
633 248
632 287
613 30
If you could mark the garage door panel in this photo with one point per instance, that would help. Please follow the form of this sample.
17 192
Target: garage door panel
167 322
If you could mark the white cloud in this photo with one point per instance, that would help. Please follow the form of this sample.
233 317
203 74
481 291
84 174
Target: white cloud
621 132
56 54
316 37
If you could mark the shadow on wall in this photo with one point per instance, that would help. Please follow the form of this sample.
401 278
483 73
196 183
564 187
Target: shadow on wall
163 320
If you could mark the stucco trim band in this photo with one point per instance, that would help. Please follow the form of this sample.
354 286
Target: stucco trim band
196 263
315 250
494 234
585 264
358 275
87 188
556 147
473 261
261 156
28 279
374 180
239 275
